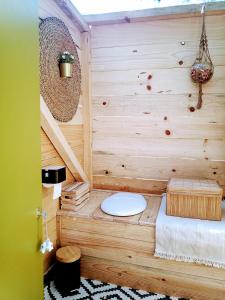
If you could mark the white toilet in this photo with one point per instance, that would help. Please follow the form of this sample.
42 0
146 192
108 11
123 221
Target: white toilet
124 204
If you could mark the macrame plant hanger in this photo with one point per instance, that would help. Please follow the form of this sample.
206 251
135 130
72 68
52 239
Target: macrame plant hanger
202 69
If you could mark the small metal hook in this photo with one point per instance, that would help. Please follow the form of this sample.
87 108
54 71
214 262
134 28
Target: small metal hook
203 9
41 213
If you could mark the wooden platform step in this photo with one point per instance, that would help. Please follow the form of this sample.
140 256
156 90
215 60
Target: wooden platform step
174 283
75 196
121 251
93 210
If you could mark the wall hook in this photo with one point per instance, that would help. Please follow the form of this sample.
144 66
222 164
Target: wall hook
41 213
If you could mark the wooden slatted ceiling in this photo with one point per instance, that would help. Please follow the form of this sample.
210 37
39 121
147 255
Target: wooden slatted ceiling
145 125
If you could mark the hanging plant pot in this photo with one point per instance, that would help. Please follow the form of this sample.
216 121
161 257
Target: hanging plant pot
202 69
65 69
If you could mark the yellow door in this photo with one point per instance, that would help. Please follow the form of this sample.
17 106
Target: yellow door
20 180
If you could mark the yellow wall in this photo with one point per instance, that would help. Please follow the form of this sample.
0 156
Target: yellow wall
20 176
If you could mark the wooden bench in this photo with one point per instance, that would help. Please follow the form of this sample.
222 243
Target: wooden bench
120 250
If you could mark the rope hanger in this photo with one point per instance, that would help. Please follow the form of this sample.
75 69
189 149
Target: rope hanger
202 69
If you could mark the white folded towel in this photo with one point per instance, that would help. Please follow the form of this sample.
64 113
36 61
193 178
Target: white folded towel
190 240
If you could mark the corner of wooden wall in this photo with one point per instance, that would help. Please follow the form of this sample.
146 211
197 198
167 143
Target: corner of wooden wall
87 104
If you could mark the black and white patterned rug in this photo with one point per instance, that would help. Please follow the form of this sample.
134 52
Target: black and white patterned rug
97 290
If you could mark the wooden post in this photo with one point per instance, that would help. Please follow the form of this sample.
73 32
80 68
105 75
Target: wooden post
87 105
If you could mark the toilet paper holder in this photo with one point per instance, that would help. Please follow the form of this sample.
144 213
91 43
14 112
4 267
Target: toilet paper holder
53 176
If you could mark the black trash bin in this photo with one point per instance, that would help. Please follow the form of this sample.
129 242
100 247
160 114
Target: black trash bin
67 270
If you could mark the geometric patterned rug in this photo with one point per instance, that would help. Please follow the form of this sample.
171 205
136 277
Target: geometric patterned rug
97 290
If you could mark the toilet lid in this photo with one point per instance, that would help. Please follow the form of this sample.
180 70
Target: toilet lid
124 204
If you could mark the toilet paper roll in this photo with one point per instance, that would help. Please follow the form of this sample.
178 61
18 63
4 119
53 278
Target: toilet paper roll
57 190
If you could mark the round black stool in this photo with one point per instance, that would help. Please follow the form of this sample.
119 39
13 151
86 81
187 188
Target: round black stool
67 272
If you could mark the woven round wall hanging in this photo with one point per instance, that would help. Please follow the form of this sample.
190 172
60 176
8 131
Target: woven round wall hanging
60 94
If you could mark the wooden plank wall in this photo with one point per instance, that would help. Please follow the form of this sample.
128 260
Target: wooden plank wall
73 131
145 125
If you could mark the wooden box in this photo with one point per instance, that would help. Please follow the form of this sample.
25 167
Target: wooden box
191 198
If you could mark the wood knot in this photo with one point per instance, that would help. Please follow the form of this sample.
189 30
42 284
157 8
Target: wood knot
106 172
149 76
104 103
148 87
165 118
173 170
180 62
167 132
192 109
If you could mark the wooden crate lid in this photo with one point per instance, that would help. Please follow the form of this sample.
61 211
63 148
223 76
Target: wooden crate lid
68 254
202 186
76 188
72 186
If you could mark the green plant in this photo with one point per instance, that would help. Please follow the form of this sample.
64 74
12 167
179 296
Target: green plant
66 57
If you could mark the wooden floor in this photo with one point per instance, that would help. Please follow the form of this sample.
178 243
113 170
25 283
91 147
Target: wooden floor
121 250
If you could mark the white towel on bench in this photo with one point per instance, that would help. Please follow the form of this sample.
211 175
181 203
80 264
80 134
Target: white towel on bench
190 240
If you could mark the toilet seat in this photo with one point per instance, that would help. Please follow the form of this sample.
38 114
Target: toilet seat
124 204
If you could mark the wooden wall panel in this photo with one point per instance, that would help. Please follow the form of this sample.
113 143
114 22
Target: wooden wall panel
160 168
73 130
164 81
51 157
146 127
48 8
157 32
153 55
162 106
75 138
210 150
